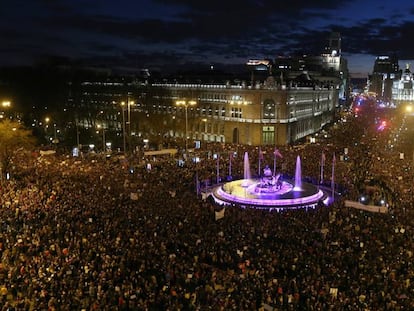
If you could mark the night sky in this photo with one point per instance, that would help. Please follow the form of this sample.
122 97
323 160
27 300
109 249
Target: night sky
161 34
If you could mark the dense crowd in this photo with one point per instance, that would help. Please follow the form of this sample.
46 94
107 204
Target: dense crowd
115 234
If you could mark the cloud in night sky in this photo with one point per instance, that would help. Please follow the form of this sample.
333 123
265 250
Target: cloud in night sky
170 33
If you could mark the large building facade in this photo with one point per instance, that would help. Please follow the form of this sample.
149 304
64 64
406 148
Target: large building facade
386 70
403 88
275 102
391 83
267 114
275 111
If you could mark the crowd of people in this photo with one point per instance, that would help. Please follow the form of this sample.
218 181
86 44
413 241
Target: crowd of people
116 234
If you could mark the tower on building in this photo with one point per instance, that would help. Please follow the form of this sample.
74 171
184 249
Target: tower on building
334 44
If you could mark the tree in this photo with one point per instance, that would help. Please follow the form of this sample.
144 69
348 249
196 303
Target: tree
13 138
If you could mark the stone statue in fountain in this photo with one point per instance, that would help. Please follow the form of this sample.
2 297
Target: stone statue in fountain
268 182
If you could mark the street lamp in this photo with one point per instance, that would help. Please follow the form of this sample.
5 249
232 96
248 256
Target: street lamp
54 140
54 133
103 137
123 125
47 119
5 104
186 104
129 115
129 121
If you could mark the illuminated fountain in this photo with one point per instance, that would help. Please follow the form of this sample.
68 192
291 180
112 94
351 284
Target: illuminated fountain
298 175
270 191
246 180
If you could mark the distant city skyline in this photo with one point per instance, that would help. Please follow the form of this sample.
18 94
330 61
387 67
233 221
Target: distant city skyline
161 34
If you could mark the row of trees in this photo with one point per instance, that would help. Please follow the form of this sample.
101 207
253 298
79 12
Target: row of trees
15 140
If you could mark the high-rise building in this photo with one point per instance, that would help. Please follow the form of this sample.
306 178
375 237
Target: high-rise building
385 71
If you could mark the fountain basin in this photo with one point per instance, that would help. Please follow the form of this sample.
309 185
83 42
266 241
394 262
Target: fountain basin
270 191
248 193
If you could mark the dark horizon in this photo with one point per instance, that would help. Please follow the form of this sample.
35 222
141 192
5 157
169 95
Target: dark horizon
153 34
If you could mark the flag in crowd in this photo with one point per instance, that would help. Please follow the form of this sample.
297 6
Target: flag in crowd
260 154
277 153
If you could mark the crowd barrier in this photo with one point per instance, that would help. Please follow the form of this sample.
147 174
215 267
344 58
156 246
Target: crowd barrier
369 208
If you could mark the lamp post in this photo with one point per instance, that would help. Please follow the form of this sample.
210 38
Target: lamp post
54 133
103 137
125 131
53 140
129 115
129 103
186 104
123 126
47 120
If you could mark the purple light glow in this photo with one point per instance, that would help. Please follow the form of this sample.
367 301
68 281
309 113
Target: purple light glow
284 198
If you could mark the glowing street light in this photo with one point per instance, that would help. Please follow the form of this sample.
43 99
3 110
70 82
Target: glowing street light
186 104
129 116
6 104
128 121
103 137
55 139
129 103
123 126
47 120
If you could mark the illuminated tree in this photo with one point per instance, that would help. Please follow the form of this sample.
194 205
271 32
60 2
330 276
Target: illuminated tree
14 139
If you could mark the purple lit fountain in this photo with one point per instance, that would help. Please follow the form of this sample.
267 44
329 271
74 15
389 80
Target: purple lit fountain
298 175
269 191
246 180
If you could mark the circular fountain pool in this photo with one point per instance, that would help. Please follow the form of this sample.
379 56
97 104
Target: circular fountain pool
270 191
249 193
